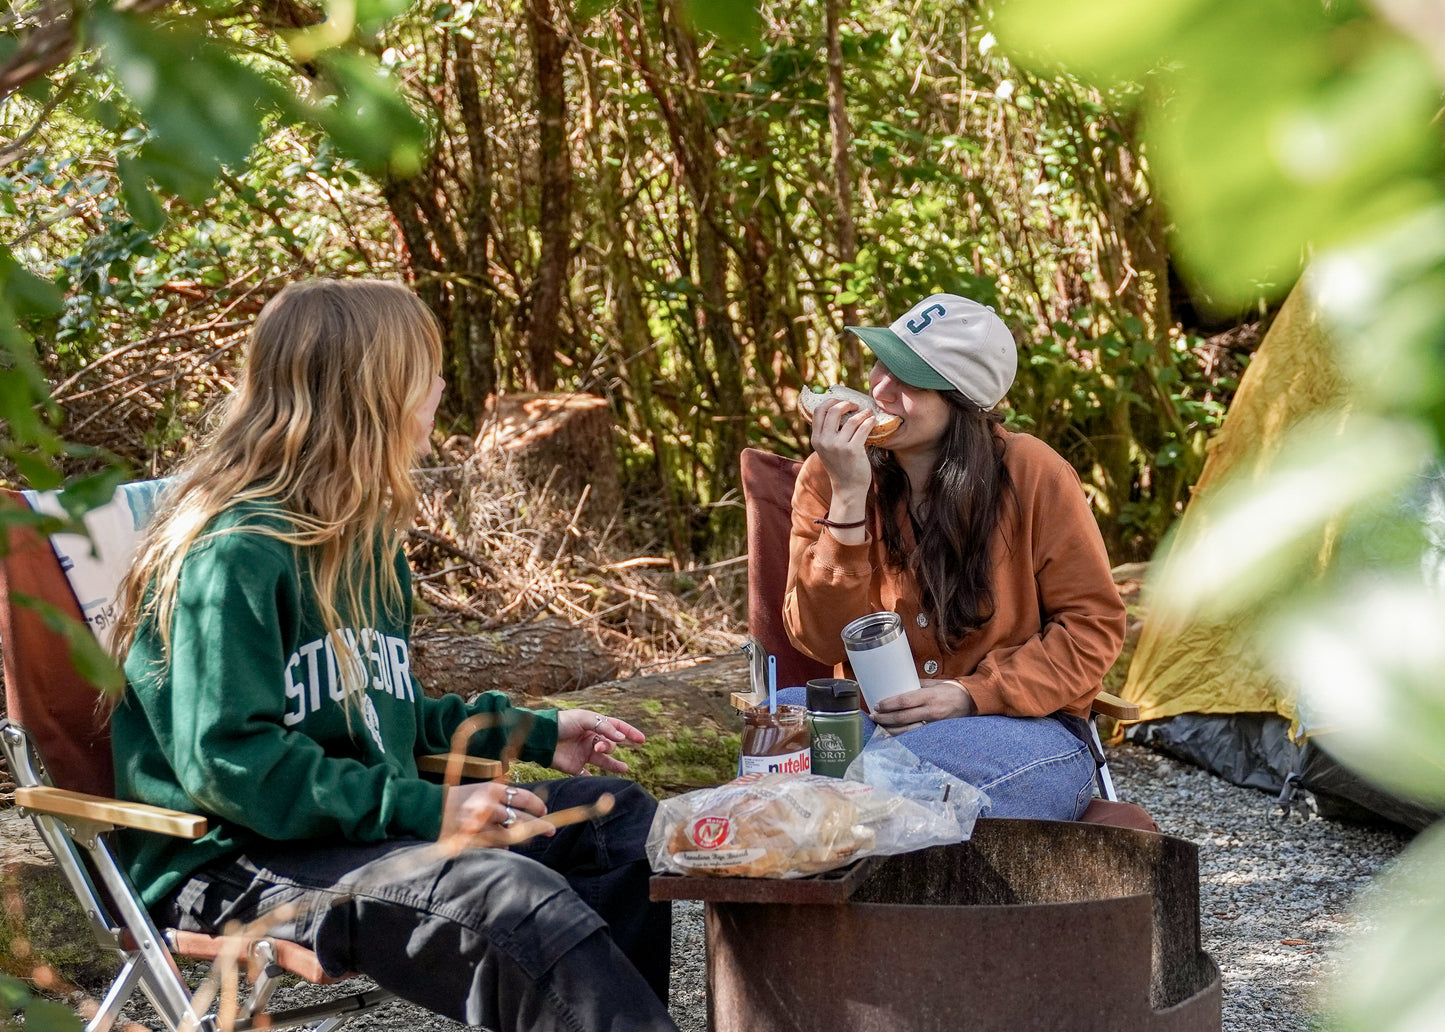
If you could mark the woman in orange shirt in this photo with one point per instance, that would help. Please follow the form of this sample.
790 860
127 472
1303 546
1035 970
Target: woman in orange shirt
982 541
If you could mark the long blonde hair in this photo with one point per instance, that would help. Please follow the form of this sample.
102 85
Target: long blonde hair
321 427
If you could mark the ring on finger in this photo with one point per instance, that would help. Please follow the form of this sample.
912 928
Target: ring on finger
597 723
508 796
511 817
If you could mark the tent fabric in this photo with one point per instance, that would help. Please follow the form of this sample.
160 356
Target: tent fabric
1207 667
1205 696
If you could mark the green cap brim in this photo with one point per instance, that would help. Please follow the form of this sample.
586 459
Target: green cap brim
901 360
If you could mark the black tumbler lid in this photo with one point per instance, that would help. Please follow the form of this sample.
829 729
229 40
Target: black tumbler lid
832 695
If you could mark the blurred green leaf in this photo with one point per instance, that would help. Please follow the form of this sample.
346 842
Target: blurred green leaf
203 103
49 1016
13 993
27 294
144 207
1105 41
731 19
371 15
1394 967
1251 535
91 661
367 119
85 493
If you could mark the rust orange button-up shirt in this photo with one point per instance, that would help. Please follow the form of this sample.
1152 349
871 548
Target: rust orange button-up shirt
1058 623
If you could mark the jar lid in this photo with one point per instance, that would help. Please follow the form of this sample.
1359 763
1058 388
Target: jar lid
832 695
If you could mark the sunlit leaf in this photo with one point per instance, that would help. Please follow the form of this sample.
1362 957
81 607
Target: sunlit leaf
1366 660
367 119
1107 41
731 19
1250 535
1393 976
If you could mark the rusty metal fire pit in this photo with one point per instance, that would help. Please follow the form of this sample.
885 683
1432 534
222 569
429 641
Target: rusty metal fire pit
1045 925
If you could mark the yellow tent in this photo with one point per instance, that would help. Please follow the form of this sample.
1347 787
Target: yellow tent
1197 666
1203 693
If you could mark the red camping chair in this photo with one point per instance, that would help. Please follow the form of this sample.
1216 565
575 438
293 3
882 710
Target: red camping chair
56 739
768 495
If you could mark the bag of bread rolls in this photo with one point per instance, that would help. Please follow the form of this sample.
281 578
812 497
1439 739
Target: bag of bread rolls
789 826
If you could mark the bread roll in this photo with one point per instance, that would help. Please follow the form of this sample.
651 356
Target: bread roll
884 423
769 826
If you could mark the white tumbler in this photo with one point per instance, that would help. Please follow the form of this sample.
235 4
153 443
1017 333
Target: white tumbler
882 661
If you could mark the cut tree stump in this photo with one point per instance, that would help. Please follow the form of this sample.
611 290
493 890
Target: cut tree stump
566 441
544 657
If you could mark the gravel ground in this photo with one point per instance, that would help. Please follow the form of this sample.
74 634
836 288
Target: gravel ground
1275 899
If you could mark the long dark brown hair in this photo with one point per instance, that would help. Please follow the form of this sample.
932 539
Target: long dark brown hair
966 493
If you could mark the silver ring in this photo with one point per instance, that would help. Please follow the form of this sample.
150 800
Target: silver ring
598 724
509 795
511 817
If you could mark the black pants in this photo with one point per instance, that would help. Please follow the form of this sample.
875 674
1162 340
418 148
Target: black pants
557 933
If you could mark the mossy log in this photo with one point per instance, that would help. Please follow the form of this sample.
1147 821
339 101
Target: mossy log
546 657
693 733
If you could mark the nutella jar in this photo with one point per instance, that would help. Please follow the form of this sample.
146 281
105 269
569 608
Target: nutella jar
776 743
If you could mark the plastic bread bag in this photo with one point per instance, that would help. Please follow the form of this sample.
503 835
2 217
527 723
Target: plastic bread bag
887 764
793 825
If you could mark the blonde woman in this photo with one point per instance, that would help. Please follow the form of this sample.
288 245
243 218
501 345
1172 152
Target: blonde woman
266 646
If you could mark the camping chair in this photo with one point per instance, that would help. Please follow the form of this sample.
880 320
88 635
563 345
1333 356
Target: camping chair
768 496
56 740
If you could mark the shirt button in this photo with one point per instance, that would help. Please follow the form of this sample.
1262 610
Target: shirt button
921 619
930 667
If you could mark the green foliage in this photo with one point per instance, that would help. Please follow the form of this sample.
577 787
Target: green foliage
1281 130
40 1014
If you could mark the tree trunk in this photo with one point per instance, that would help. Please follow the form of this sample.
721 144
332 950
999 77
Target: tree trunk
554 177
472 361
542 658
842 182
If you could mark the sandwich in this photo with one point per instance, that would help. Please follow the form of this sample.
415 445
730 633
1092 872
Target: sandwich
884 423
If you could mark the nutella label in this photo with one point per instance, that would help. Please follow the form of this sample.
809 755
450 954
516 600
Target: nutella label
799 762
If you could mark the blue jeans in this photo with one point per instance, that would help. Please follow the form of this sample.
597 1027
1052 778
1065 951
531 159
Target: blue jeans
1027 766
556 933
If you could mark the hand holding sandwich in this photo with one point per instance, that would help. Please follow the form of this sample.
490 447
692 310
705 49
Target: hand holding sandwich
845 421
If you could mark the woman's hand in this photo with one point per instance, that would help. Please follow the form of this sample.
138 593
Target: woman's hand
840 433
935 699
489 806
585 737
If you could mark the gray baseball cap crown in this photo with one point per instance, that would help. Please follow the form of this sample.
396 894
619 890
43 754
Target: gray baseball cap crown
947 342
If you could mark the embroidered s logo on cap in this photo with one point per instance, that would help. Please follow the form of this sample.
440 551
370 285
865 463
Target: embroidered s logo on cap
925 318
946 342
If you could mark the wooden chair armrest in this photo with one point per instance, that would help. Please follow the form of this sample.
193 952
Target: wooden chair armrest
472 768
746 700
1113 706
60 802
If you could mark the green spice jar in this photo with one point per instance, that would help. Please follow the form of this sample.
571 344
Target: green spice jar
837 724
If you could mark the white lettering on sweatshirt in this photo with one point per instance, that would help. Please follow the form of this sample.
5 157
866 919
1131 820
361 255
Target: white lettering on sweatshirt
384 662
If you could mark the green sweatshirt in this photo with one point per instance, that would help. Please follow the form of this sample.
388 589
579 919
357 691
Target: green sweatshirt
246 725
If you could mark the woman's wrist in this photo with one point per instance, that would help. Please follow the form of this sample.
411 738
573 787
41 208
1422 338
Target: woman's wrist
970 708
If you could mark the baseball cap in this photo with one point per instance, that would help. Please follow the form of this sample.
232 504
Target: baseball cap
945 343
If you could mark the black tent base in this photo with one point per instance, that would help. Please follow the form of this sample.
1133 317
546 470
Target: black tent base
1254 750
